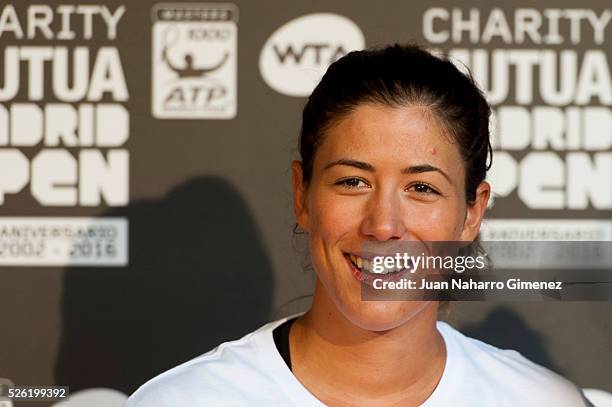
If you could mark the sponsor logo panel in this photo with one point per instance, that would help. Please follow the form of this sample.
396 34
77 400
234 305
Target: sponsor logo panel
194 65
297 54
550 87
64 125
56 241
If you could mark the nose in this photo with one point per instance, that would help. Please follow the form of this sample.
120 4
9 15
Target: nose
383 219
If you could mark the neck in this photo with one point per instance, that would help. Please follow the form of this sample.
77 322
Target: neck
338 360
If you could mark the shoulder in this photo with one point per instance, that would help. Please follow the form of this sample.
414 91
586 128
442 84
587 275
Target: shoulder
217 377
507 375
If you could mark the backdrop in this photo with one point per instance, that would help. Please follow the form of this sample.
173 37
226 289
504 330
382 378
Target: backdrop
145 201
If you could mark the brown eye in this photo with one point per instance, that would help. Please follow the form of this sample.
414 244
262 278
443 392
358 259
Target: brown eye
423 189
352 183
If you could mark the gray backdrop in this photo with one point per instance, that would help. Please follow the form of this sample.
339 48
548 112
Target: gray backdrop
212 187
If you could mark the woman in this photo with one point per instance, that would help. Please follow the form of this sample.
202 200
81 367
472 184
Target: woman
394 147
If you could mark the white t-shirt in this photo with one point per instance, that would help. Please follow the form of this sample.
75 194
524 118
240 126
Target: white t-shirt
251 372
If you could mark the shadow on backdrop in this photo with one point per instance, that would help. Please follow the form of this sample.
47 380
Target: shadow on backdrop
198 275
506 329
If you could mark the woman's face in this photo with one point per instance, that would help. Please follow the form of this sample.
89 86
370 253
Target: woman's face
382 175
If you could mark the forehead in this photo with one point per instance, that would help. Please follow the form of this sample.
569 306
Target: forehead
407 134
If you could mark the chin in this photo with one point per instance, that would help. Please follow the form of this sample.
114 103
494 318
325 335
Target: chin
380 316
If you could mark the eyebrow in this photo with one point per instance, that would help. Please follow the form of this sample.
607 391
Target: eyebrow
413 169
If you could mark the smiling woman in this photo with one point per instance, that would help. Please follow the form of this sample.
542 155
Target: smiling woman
383 173
394 147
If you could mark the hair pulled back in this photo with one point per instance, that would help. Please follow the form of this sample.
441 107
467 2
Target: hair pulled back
397 76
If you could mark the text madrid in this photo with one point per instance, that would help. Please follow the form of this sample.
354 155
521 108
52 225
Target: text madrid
469 284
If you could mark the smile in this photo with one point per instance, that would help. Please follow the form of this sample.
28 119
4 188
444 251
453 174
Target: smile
367 266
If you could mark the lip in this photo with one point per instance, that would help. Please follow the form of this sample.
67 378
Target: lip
368 279
369 255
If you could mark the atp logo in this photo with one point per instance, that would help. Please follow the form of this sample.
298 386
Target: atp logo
194 61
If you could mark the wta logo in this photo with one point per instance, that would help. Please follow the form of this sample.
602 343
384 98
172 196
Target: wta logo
296 55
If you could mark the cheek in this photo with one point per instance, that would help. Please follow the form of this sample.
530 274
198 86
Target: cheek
443 221
335 217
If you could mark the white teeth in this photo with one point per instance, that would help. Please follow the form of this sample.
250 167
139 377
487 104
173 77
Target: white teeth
367 266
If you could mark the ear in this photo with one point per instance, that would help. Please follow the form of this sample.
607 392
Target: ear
300 207
475 212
